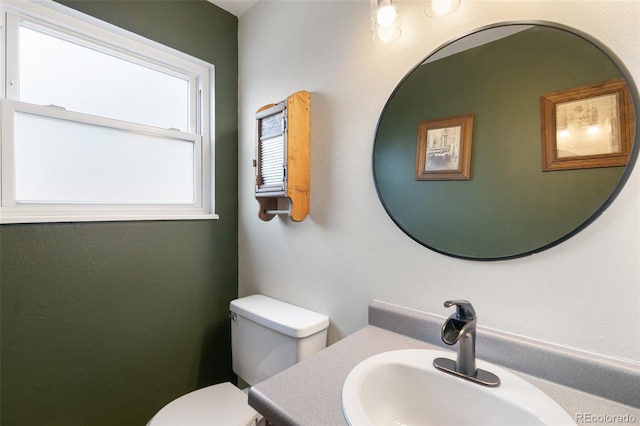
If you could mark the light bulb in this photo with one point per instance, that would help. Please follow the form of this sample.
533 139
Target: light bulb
593 130
385 21
439 8
386 16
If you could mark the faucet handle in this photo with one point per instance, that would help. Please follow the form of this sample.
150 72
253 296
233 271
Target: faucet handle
464 309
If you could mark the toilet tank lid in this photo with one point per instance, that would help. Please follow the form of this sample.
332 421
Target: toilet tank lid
280 316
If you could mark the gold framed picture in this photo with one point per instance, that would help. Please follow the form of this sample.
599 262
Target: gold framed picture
587 126
444 148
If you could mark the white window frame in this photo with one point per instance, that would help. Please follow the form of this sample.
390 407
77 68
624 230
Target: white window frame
133 47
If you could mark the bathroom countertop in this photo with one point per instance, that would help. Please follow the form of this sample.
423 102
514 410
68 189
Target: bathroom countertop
309 393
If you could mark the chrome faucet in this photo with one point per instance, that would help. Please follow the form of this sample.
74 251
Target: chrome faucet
460 328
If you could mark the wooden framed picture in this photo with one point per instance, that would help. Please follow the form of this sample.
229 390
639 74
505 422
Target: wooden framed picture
444 148
587 127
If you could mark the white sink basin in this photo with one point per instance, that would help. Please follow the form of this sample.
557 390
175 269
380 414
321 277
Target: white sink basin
404 388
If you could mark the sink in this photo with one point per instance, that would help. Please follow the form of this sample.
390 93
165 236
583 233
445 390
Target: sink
404 388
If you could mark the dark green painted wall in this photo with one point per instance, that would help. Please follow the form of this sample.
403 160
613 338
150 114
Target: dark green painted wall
104 323
509 207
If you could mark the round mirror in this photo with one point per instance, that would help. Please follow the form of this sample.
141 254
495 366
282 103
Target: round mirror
506 142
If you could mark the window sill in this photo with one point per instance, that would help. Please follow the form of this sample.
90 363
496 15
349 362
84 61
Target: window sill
16 219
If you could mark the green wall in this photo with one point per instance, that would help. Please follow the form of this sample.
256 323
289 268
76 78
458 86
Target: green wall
104 323
509 207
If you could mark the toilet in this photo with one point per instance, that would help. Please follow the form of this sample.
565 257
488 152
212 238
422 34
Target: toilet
267 336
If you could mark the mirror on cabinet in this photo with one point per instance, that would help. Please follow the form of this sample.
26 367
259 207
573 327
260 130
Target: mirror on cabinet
509 204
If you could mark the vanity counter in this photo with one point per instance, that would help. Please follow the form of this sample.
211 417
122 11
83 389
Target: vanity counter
309 393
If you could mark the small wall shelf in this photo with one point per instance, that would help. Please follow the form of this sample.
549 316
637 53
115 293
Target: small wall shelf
283 134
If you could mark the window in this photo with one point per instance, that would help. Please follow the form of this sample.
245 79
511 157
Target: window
100 124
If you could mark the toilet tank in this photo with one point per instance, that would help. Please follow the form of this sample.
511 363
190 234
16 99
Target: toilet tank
268 336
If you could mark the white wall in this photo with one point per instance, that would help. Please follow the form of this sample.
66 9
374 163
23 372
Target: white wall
583 293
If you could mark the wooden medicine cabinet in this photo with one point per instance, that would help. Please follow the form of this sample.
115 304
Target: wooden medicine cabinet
282 164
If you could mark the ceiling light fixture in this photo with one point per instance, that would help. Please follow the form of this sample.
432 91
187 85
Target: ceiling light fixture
439 8
385 22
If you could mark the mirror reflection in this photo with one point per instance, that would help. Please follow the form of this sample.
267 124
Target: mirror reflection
511 204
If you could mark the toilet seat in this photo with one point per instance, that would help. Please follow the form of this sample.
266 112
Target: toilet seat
222 404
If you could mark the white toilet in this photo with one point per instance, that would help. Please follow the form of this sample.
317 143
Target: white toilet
267 336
